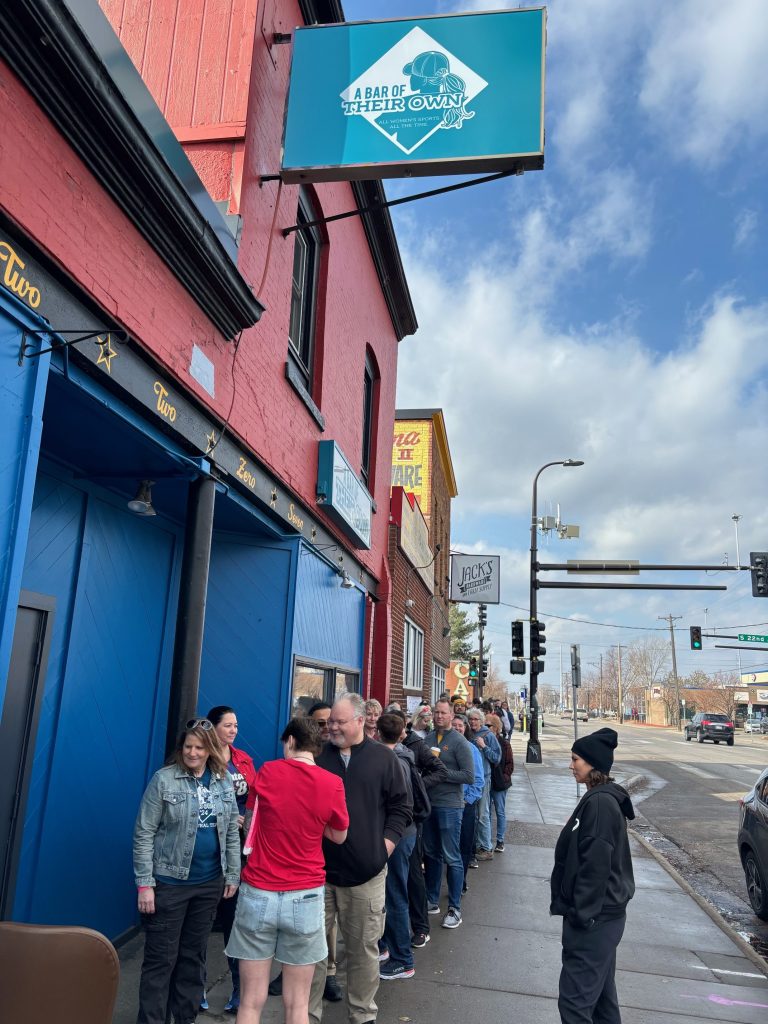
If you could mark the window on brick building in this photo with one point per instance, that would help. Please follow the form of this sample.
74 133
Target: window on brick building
304 286
413 657
438 680
370 403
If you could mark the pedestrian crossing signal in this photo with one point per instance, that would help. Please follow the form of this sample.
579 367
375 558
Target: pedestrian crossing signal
695 638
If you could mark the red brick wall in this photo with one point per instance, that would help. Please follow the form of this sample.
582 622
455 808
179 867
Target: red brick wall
53 197
440 533
407 583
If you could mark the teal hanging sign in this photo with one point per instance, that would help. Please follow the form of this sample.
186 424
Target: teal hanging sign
421 96
342 496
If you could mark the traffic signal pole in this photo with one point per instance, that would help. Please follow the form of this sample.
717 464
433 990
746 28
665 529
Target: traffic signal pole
480 640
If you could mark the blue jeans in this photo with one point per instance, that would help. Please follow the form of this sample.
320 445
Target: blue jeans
397 930
499 801
442 831
483 828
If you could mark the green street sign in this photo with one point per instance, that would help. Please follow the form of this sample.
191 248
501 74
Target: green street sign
754 638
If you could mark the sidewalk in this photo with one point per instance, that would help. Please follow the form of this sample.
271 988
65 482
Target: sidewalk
675 965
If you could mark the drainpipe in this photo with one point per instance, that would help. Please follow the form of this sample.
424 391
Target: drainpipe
190 618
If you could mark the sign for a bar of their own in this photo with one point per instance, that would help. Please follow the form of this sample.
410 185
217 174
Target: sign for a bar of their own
450 94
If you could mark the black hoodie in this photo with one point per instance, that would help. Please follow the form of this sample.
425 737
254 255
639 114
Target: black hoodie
592 880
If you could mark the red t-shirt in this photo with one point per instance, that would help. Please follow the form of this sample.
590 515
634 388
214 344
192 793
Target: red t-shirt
296 802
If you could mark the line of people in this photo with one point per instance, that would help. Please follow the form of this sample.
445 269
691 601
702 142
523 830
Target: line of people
349 834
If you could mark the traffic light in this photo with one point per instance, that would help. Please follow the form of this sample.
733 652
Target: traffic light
758 563
695 638
575 665
473 668
518 650
484 669
517 666
482 615
538 639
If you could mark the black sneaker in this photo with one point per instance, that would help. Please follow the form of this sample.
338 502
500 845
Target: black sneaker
499 847
419 939
433 908
395 972
332 991
473 863
464 889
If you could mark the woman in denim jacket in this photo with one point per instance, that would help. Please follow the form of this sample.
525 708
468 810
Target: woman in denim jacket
186 855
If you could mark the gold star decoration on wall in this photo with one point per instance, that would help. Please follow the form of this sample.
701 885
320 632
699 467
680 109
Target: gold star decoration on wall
211 441
106 352
273 498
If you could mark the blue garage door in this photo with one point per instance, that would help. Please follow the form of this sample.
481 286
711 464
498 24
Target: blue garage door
102 724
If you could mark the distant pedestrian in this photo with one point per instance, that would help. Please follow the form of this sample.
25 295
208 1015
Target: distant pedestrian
442 829
372 711
501 780
489 748
591 884
472 793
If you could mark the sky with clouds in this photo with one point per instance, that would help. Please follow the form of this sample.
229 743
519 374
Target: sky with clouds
612 308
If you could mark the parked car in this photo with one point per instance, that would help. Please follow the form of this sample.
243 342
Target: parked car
582 715
567 714
753 723
764 727
709 726
753 844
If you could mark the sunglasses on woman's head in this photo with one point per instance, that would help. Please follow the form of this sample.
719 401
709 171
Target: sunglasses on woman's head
199 723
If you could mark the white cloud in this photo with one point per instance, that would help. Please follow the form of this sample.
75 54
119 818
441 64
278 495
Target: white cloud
704 83
745 228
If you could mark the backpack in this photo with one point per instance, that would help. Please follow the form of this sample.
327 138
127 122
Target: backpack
422 805
499 781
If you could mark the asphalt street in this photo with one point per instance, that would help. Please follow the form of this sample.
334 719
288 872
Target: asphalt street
692 799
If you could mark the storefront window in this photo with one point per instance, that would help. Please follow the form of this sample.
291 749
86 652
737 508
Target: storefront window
413 657
312 683
438 680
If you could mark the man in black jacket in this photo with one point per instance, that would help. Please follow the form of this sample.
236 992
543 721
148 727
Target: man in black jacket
380 810
591 885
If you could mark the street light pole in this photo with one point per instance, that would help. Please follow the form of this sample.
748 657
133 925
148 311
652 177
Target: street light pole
533 749
670 619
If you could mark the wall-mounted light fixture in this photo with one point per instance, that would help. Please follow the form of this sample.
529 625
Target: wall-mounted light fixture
141 504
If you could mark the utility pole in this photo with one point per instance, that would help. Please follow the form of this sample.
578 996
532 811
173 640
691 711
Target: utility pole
620 708
480 625
671 619
601 683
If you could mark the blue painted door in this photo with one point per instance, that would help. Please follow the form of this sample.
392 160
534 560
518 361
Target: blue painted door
102 725
246 649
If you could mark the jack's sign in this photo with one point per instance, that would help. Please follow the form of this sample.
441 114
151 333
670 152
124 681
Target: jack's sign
475 578
441 95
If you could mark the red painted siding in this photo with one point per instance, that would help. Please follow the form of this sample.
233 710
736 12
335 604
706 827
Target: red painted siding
48 191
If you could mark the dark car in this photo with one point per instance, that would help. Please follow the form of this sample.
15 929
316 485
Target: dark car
705 726
764 726
753 844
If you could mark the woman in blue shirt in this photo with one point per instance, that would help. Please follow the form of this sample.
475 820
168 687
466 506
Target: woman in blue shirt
186 855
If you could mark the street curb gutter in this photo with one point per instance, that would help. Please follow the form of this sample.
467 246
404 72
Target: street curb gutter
708 909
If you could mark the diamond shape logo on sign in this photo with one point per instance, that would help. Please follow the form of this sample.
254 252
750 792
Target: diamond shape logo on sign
415 89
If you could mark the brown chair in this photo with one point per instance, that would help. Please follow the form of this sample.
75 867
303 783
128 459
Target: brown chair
56 974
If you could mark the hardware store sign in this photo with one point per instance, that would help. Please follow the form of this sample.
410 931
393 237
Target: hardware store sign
450 94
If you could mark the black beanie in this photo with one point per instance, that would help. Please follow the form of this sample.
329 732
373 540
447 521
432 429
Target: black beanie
597 749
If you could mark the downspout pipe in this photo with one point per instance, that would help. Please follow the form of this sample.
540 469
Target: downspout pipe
190 618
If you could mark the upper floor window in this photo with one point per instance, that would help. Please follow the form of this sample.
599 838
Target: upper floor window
370 377
306 264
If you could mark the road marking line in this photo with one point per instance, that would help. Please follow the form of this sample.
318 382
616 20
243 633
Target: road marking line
695 771
718 970
729 796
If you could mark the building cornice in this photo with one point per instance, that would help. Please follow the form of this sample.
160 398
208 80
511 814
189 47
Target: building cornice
70 60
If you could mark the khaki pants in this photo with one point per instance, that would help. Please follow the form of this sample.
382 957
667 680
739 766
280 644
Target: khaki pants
360 912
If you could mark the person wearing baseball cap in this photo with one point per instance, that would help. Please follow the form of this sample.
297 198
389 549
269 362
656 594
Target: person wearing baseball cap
592 883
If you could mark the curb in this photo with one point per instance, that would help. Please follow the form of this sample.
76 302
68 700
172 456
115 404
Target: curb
708 909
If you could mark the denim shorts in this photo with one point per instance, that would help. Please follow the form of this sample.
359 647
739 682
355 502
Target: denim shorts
289 926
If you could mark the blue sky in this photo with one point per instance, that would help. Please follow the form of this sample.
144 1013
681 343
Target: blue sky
614 308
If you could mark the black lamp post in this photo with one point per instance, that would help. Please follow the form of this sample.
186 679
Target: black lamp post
533 750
